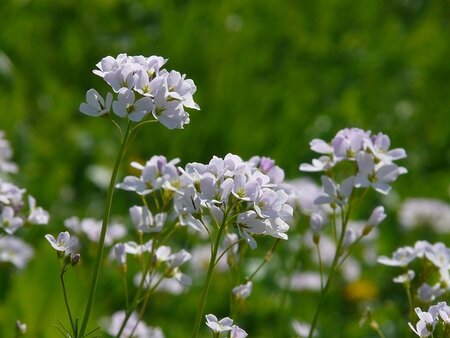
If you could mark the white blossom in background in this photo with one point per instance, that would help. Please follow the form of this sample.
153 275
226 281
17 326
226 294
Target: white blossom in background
15 251
144 90
302 193
6 153
302 329
91 228
421 212
243 291
144 221
112 326
13 211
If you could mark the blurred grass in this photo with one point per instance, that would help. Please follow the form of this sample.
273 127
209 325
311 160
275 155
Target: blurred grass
271 75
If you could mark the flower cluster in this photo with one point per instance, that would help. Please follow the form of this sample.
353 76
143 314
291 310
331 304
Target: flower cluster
207 193
144 90
374 162
13 214
428 320
435 259
17 210
232 187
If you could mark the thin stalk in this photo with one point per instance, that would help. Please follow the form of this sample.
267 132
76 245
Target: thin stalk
66 301
125 288
334 266
137 295
212 264
267 258
101 242
320 267
144 305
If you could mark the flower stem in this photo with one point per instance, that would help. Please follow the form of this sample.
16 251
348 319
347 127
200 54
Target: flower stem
212 264
61 276
334 268
105 222
267 258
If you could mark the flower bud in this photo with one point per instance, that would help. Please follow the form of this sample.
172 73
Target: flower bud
68 259
75 260
377 216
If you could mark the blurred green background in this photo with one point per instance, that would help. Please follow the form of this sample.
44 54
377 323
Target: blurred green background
271 75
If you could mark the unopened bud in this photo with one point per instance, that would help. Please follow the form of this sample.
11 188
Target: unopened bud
75 260
68 259
367 229
316 238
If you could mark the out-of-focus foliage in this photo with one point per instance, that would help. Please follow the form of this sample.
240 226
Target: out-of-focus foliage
271 75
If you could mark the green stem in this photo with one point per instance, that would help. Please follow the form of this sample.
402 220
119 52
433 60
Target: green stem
334 266
101 241
212 264
320 266
146 271
61 276
267 258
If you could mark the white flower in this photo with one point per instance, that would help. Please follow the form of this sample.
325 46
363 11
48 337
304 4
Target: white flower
6 154
120 254
378 176
302 329
96 105
144 220
380 149
168 110
377 216
156 174
134 325
427 322
9 221
64 243
243 291
237 332
127 106
335 193
218 326
249 223
405 278
316 222
37 214
401 257
427 293
434 213
15 251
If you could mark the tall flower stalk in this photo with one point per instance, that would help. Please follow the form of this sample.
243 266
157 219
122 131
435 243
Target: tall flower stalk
101 241
145 92
371 166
